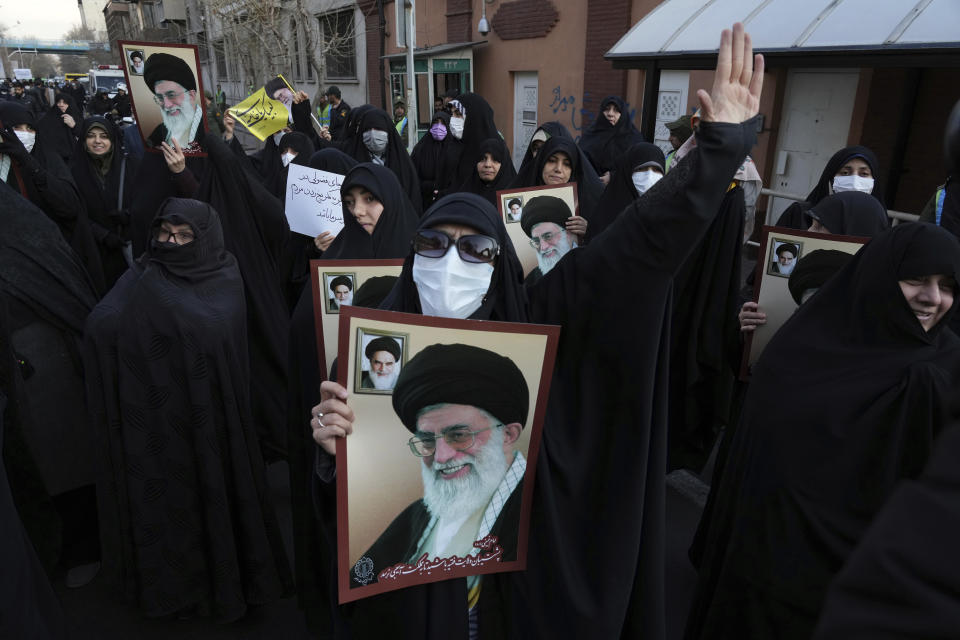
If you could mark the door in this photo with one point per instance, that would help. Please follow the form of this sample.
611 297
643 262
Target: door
524 112
671 104
817 108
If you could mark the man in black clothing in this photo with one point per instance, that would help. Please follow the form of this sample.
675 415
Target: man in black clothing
338 112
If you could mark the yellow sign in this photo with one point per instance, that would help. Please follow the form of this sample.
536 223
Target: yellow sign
260 114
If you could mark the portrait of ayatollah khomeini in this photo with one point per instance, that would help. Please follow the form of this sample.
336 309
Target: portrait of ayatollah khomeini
174 88
465 407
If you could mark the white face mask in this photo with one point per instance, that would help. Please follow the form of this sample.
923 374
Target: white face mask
287 157
375 141
643 180
27 139
456 127
449 287
852 183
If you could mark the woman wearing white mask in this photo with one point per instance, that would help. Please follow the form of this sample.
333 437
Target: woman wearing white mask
471 122
600 472
850 169
641 167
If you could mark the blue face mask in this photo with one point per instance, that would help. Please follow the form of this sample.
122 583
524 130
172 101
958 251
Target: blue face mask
438 131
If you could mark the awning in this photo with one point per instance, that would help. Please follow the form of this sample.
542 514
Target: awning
440 49
678 30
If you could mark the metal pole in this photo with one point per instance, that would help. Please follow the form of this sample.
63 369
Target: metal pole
410 7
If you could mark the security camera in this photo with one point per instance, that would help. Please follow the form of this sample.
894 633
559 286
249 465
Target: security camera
483 27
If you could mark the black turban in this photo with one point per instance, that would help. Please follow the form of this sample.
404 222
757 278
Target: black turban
786 246
136 54
274 85
461 374
813 271
514 201
163 66
544 209
372 292
382 343
339 280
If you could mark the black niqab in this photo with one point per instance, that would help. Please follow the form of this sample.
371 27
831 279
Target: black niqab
504 178
620 192
805 478
168 382
393 231
604 143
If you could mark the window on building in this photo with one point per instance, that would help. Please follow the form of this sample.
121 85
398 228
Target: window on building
220 55
339 44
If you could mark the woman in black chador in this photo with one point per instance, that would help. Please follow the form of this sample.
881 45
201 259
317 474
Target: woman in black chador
845 402
186 521
611 134
493 171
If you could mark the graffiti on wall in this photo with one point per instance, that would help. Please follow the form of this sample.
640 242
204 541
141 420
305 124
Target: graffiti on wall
567 105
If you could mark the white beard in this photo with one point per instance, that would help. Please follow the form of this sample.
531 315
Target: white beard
179 126
460 497
563 246
786 270
385 381
346 302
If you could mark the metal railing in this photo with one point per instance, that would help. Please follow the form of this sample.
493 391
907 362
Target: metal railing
896 217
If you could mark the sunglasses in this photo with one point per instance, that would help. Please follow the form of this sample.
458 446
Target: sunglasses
431 243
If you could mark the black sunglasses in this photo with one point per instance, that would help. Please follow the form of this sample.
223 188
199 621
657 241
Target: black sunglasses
431 243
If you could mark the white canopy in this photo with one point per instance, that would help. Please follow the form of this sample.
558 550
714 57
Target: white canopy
678 28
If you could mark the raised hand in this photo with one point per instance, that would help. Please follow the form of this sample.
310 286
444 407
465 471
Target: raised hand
737 82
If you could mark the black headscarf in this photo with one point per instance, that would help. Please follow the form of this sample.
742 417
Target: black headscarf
58 137
526 174
814 269
620 192
504 178
332 160
851 213
168 381
436 160
506 299
395 156
795 216
605 142
478 126
394 230
101 193
588 191
299 143
805 477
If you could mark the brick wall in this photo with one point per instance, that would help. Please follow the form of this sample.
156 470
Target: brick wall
524 19
607 22
371 25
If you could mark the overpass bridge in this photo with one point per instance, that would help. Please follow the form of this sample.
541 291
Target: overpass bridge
59 47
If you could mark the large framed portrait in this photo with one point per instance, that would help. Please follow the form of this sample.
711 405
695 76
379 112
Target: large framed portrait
166 92
511 202
436 479
335 282
782 250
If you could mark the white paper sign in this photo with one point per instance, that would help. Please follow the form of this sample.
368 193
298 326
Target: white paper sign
23 74
313 201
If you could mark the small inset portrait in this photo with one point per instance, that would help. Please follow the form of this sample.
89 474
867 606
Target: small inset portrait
783 257
380 357
339 290
135 62
514 209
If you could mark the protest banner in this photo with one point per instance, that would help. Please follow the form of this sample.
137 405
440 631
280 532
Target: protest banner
312 201
260 114
424 388
166 93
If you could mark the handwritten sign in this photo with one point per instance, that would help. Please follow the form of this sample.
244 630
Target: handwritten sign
313 201
260 114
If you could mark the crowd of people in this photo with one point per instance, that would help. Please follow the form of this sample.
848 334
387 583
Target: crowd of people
159 351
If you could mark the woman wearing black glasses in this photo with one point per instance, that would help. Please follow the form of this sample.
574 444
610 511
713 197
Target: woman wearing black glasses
595 555
378 218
